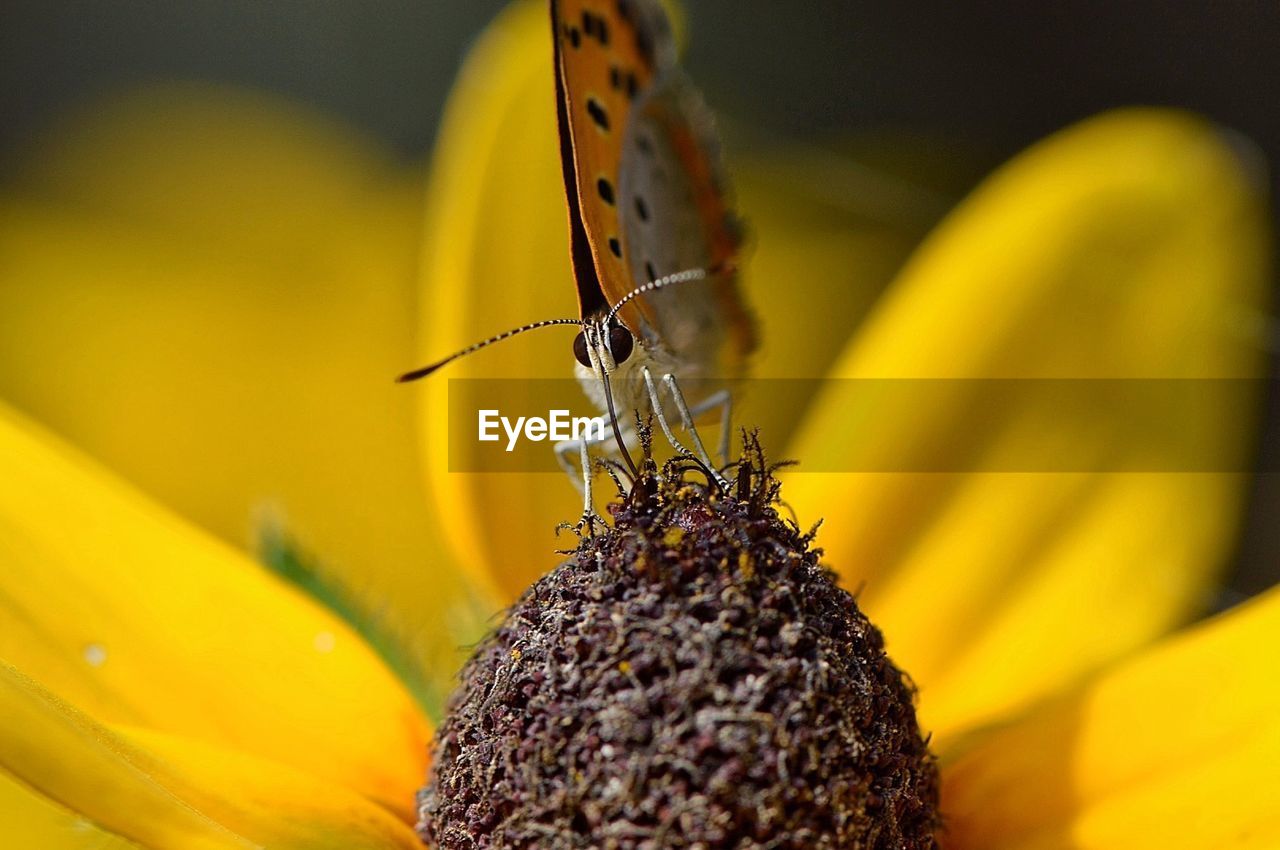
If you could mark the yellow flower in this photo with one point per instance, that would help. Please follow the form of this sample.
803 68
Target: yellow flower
209 292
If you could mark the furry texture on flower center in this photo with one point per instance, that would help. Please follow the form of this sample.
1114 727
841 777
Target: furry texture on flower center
691 677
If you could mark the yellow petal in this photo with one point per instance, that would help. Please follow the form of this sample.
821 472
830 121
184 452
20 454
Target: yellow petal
1129 246
817 260
161 791
31 820
497 257
140 619
212 291
1177 749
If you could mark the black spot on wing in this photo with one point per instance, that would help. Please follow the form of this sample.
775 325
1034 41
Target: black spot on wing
598 113
615 247
605 188
574 35
595 27
642 209
624 81
649 25
650 271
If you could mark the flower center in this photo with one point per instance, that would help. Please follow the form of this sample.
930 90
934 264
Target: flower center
692 677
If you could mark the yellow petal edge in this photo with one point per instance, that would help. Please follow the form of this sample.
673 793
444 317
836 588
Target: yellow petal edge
160 791
139 619
1128 246
496 256
1178 749
211 291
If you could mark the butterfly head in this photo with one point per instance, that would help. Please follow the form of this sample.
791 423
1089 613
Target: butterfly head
603 345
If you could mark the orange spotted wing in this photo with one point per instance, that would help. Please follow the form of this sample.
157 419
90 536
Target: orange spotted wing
646 192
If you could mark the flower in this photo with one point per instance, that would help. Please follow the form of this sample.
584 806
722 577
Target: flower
233 347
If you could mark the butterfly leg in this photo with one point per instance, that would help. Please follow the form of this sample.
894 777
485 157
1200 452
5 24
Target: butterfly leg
720 399
656 403
687 418
581 478
565 451
723 400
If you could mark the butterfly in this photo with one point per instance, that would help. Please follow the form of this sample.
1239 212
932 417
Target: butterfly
652 236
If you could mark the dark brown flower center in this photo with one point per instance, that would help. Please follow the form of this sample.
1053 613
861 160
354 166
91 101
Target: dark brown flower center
692 677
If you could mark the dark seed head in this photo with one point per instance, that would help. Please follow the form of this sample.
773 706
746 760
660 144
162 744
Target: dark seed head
691 677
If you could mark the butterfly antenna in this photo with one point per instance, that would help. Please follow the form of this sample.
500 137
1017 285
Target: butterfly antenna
427 370
661 283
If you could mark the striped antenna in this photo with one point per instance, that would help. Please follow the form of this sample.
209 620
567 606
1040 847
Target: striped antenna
427 370
663 282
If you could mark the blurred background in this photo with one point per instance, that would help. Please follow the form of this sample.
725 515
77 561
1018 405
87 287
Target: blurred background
918 98
989 77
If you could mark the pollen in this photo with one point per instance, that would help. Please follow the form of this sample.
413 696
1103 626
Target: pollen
729 695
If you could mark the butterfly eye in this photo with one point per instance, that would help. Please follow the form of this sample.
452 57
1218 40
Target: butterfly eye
620 343
580 349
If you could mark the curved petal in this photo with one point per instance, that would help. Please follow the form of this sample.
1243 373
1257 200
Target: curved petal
160 791
1177 749
31 820
212 291
826 237
140 619
497 257
1129 246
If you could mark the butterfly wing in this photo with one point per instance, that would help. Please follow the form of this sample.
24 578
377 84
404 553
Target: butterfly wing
675 217
607 53
646 191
